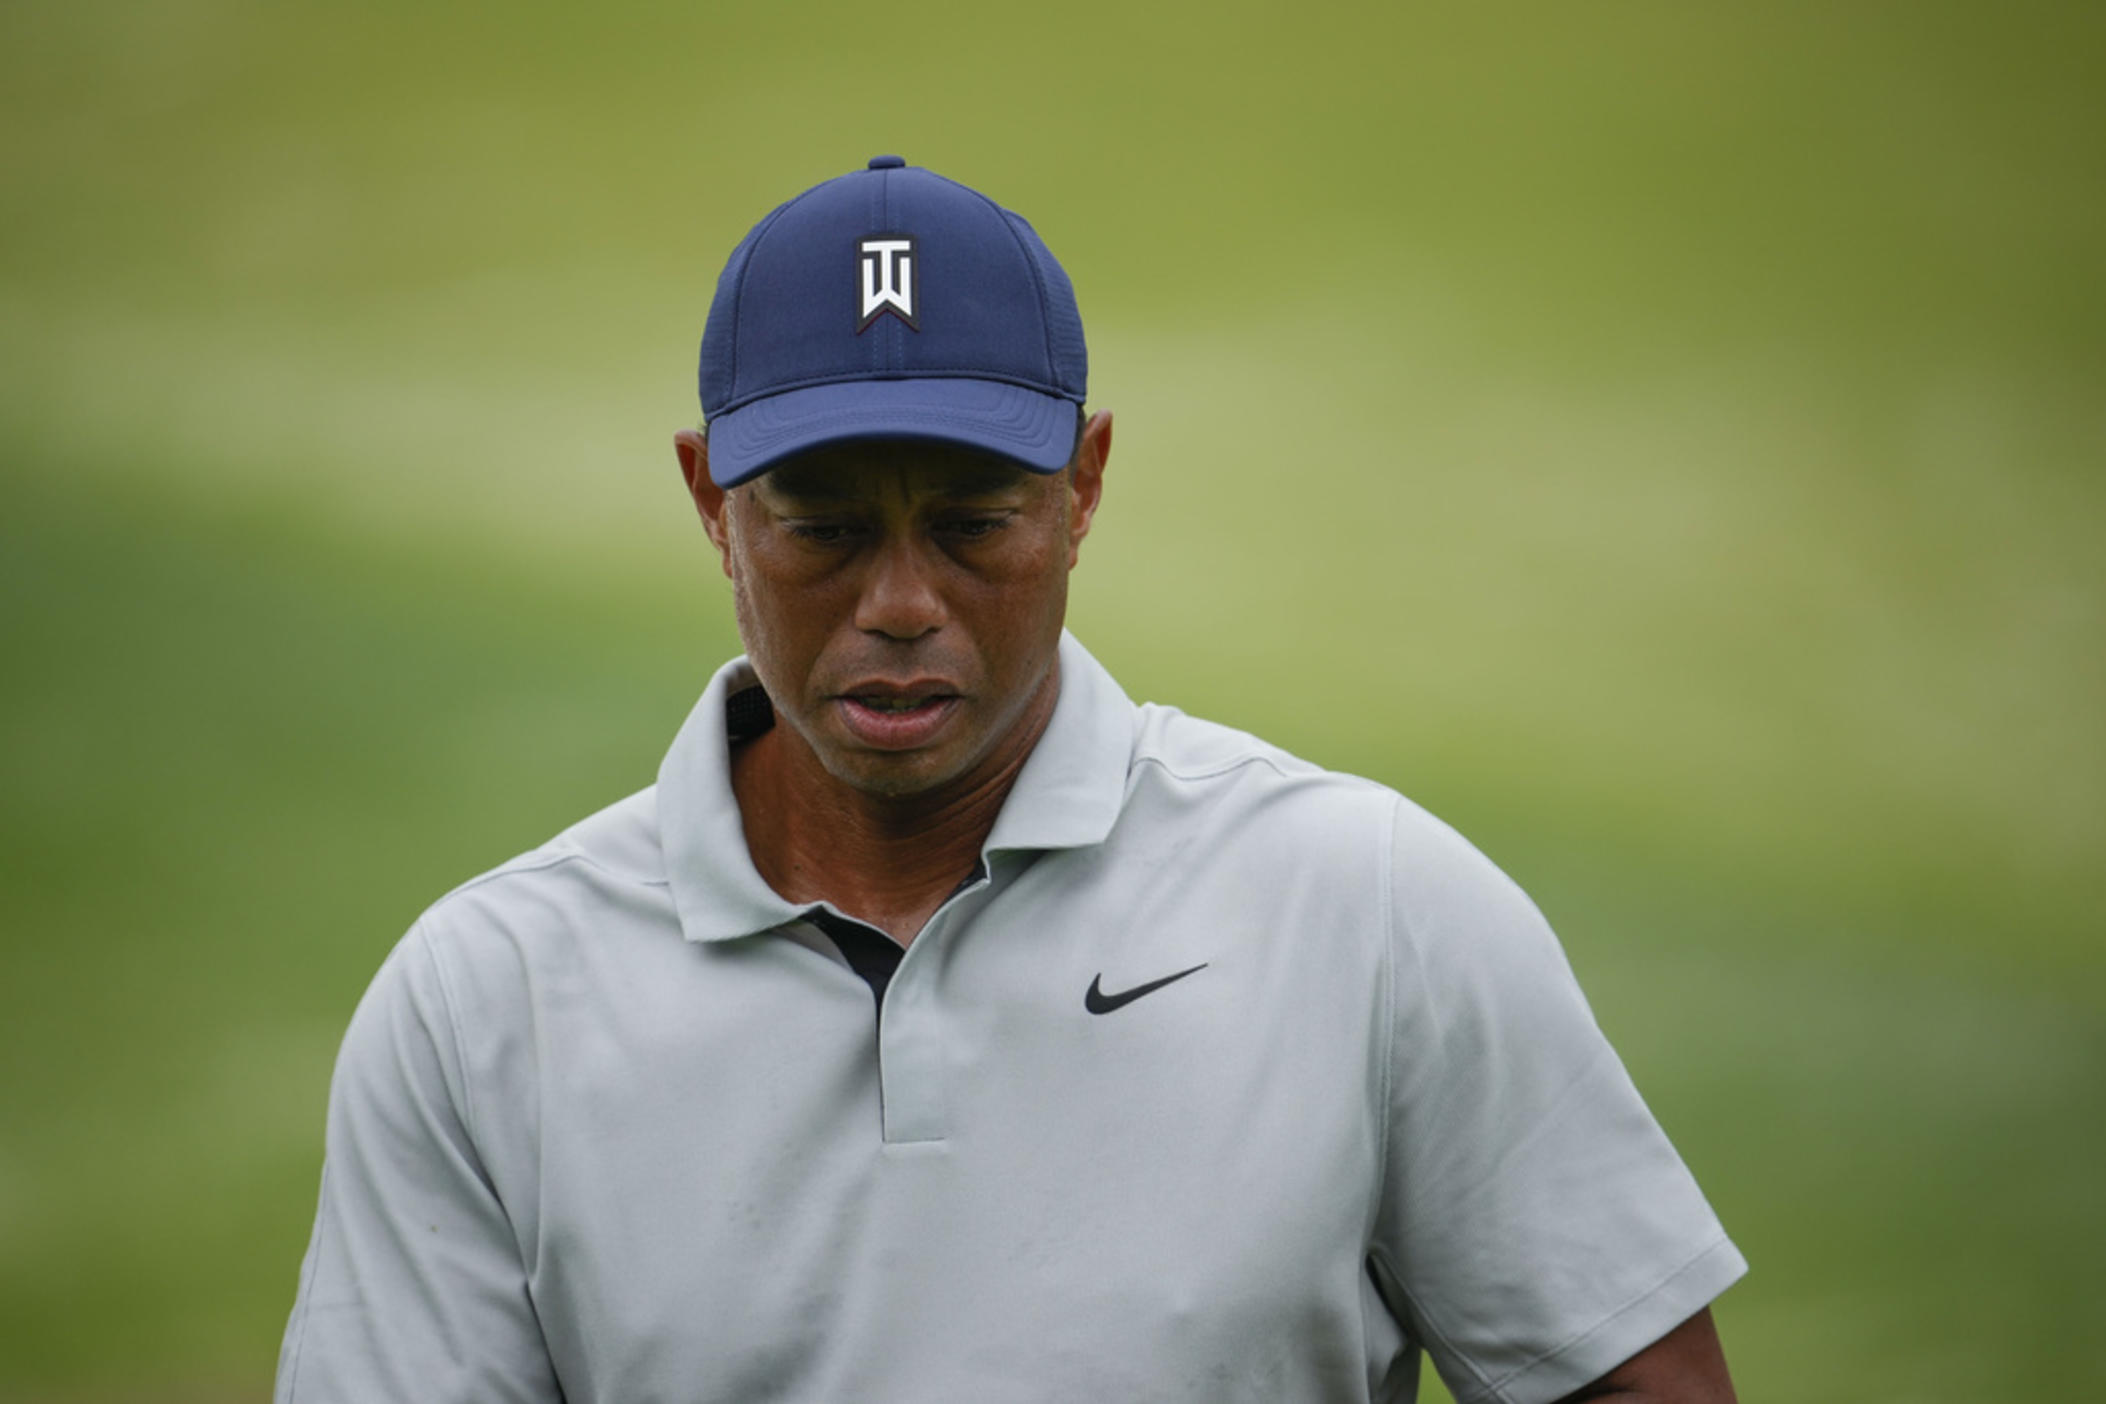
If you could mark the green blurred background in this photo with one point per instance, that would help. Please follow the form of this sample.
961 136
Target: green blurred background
1665 440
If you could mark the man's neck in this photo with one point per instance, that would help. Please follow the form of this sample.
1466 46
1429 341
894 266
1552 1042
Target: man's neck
890 861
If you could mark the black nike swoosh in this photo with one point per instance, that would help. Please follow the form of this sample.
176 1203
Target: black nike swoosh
1098 1002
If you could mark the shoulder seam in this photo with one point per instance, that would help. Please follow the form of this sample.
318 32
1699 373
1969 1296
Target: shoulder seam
1270 762
539 860
452 1008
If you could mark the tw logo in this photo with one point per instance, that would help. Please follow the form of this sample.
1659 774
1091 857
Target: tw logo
888 279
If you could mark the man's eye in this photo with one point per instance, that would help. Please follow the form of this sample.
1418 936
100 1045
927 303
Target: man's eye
972 528
820 533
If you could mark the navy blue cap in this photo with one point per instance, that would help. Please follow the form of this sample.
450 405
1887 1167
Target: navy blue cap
891 303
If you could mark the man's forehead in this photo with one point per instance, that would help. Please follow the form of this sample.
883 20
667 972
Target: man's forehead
865 466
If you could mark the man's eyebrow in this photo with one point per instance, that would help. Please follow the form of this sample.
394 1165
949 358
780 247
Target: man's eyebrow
802 480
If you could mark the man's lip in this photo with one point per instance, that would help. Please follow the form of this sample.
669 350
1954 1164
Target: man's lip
920 689
901 729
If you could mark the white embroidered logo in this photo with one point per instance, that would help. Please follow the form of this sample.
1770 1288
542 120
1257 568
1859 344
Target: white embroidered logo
888 279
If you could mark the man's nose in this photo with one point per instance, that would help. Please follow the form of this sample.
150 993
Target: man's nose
900 599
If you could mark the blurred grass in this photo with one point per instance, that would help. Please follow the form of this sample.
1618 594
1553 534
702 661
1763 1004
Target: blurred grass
1666 442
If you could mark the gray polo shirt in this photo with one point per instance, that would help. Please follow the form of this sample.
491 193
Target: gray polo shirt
1223 1078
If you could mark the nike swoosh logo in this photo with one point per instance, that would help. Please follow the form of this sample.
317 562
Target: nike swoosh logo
1098 1002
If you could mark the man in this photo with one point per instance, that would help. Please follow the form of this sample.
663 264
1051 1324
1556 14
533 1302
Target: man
941 1026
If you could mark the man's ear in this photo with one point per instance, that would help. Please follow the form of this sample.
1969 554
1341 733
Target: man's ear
692 449
1086 479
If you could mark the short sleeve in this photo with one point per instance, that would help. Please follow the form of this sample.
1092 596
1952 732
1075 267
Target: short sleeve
1536 1228
412 1287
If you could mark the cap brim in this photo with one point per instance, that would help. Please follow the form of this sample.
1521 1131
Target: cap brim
1035 429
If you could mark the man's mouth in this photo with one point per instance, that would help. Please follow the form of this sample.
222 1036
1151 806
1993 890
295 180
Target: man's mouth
893 704
896 718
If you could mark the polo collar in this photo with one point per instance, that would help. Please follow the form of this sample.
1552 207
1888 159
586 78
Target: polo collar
1073 784
1068 795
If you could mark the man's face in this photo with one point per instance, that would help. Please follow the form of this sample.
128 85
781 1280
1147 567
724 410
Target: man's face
902 602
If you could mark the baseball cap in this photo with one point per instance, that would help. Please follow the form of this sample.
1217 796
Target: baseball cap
891 303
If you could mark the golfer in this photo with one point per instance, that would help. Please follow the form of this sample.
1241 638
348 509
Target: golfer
943 1026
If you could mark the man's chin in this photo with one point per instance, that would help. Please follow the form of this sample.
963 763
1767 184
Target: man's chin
892 775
